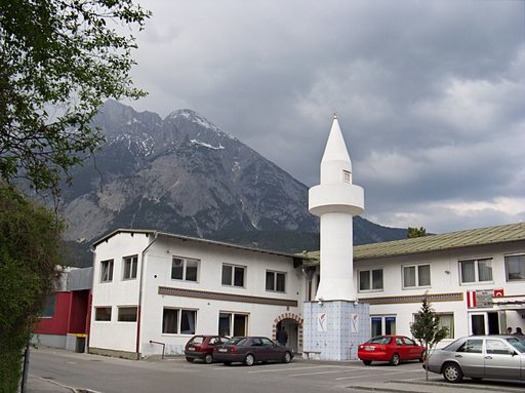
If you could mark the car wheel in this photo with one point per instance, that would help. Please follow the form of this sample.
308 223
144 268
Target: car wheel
188 359
367 362
395 360
452 373
208 358
249 360
287 358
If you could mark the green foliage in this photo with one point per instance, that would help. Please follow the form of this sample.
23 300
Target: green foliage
59 60
29 253
426 329
416 232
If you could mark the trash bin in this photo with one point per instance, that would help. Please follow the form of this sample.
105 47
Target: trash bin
81 343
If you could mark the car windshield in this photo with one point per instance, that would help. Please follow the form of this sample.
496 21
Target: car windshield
197 340
517 343
380 340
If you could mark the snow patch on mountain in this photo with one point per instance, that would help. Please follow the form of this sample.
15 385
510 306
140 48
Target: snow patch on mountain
204 144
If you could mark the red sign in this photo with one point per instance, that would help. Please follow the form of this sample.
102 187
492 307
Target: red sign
499 292
471 299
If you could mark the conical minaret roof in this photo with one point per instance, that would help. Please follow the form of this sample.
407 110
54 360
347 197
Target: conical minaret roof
335 149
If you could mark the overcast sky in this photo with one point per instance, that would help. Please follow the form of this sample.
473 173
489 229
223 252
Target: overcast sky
430 94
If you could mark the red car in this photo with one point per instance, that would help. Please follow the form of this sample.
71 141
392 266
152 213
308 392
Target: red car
201 347
389 348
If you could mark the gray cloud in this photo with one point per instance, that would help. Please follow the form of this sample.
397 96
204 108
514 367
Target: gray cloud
429 94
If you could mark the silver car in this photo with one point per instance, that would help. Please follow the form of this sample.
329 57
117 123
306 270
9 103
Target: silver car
477 357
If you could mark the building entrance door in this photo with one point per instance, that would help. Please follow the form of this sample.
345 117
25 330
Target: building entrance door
485 323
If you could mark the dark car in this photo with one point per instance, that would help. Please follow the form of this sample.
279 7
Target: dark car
478 357
390 348
251 350
201 347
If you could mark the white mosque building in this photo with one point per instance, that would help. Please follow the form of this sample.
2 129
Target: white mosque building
152 291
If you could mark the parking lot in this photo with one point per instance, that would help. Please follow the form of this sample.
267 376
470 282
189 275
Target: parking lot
64 370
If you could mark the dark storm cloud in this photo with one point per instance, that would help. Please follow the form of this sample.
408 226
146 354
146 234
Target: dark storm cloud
429 94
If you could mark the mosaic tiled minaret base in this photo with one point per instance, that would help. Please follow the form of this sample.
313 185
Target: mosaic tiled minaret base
334 329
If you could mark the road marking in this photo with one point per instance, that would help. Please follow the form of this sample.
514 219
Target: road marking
317 373
287 369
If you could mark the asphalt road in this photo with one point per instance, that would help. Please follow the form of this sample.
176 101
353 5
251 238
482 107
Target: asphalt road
112 375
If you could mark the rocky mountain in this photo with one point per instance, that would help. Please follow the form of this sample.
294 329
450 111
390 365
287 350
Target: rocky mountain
184 175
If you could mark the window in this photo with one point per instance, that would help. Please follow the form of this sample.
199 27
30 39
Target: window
515 267
184 269
49 306
371 280
447 320
275 281
416 276
471 346
347 176
476 270
130 267
106 271
233 275
383 325
178 321
498 347
127 314
231 324
102 313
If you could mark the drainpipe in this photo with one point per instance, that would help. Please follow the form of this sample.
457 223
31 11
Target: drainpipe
141 283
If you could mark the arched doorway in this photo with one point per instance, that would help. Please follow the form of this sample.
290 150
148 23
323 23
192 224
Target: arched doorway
293 324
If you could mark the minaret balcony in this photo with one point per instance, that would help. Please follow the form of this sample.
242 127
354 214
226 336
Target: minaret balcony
336 198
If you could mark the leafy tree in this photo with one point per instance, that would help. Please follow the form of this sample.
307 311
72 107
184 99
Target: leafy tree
29 253
416 232
426 329
59 60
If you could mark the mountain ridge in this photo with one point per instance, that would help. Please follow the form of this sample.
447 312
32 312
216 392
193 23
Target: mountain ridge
184 175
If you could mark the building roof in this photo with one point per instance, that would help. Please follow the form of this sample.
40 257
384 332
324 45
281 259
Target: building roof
447 241
154 233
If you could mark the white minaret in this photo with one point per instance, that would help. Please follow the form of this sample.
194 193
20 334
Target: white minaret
336 200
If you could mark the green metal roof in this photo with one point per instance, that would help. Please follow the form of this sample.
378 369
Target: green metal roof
447 241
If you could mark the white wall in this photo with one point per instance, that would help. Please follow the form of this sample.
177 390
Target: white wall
445 278
115 335
156 272
260 317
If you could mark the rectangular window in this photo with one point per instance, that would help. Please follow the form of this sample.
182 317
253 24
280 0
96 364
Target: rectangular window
49 306
371 280
275 281
383 325
184 269
231 324
476 270
447 320
233 275
515 267
102 313
130 265
347 176
416 276
178 321
127 314
106 271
